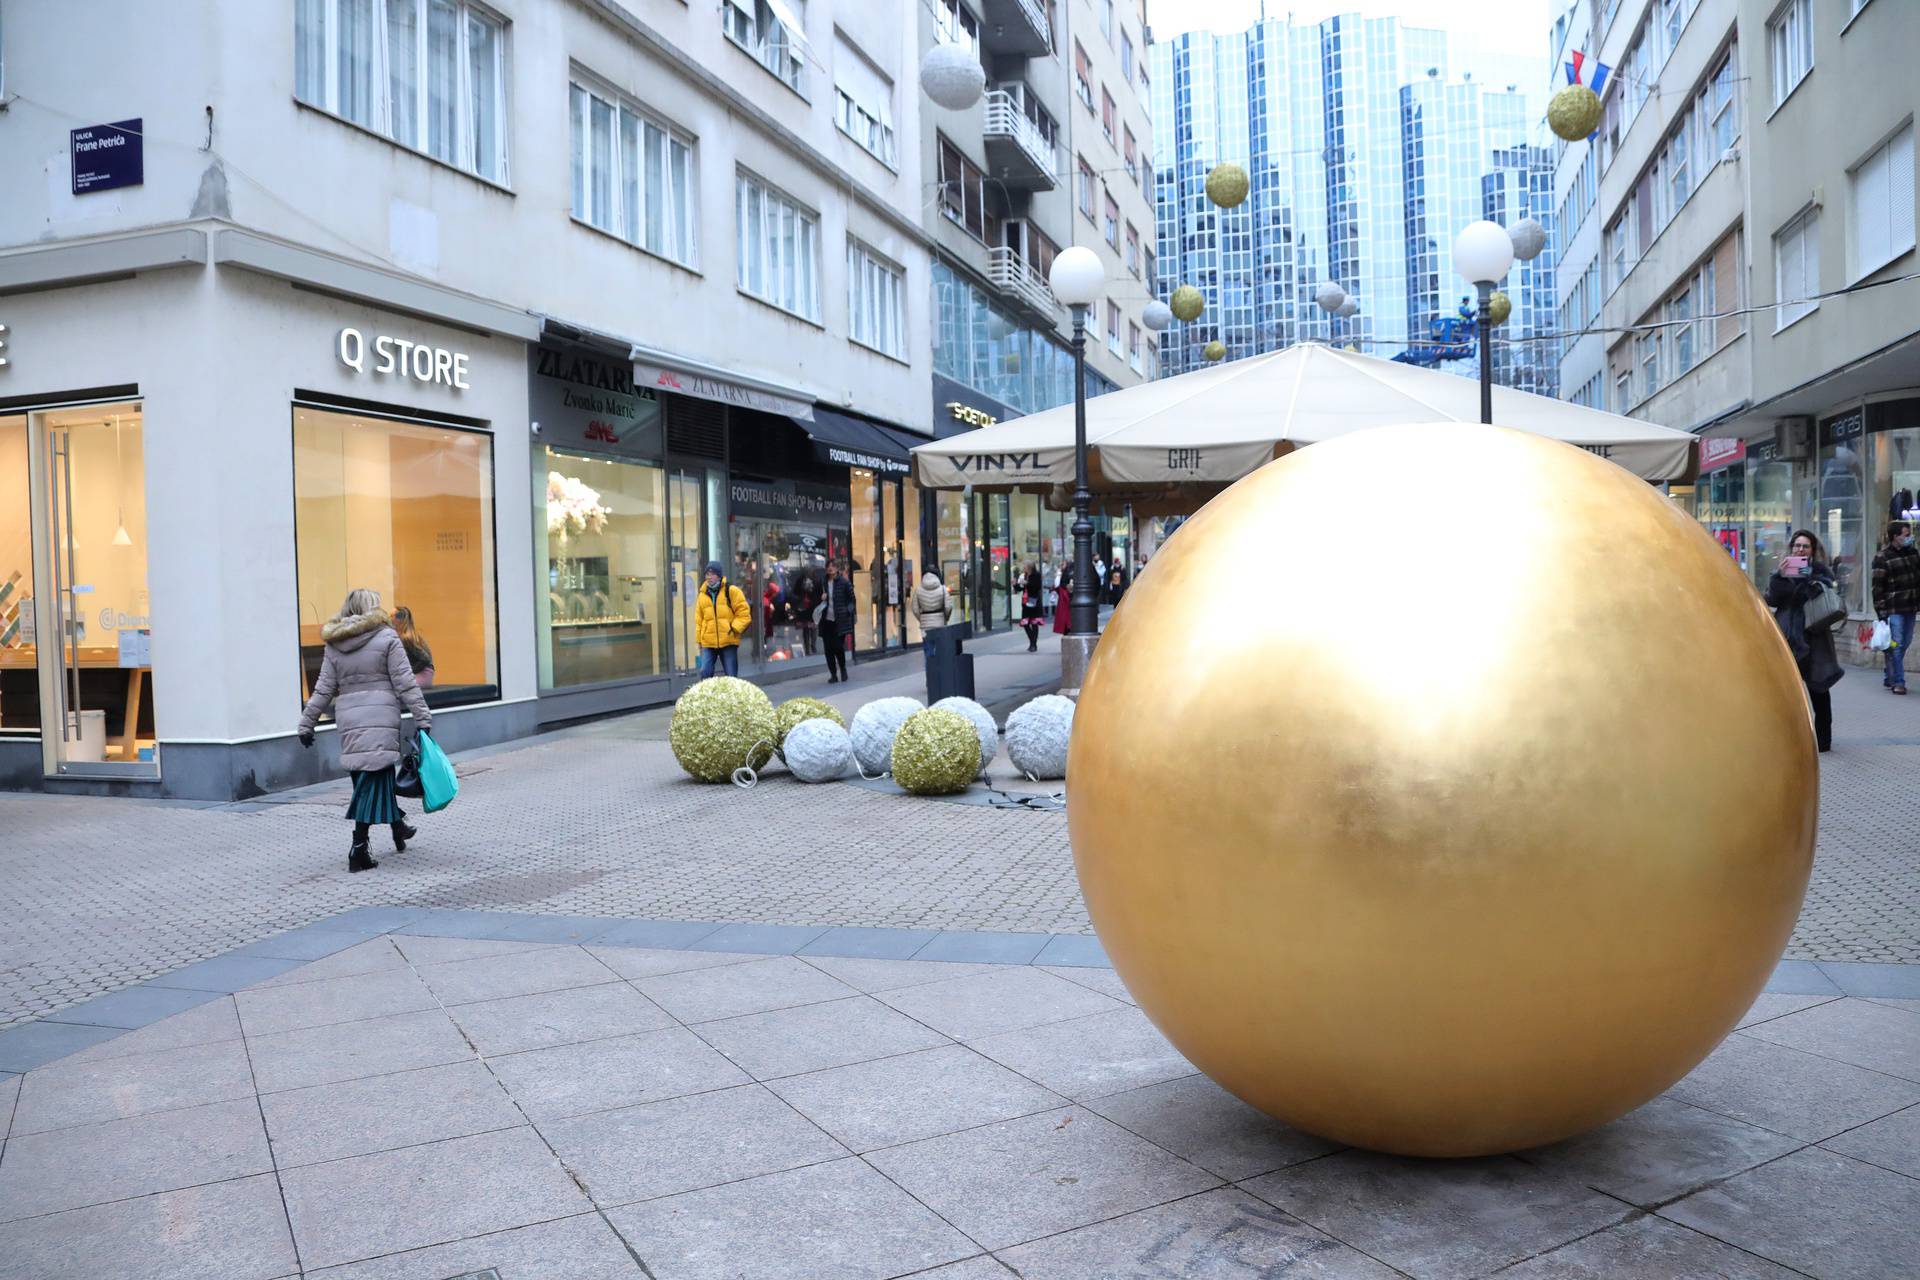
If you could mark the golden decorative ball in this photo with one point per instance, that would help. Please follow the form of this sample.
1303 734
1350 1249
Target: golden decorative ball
1574 112
1215 350
1499 307
1187 302
1465 896
1227 185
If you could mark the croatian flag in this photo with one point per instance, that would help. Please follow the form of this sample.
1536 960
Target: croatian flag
1590 72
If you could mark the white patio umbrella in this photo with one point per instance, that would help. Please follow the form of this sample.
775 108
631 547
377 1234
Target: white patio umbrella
1206 429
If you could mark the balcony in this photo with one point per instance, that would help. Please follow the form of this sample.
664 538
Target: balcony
1016 27
1008 272
1019 154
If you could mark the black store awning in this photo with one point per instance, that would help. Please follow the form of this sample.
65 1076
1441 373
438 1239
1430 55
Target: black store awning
842 440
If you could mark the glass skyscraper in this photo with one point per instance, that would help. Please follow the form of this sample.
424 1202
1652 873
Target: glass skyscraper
1369 144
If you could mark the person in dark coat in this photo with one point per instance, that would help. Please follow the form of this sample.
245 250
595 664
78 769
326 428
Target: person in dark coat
1033 606
806 598
836 621
366 678
1896 598
1799 579
1063 603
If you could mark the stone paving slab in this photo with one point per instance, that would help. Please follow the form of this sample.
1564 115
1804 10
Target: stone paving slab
893 1118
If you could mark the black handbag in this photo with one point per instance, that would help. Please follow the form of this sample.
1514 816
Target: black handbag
406 777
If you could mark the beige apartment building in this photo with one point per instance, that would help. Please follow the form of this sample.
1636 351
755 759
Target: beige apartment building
1737 259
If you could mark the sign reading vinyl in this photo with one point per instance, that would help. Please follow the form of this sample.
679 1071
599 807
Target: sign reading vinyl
403 358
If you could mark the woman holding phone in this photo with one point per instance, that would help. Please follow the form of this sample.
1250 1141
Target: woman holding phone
1801 575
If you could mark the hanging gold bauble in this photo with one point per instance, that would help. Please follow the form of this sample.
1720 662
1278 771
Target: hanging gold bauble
1227 185
1214 350
1574 112
1499 307
1187 302
1470 904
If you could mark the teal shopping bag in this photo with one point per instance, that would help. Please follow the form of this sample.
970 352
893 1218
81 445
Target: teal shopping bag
438 786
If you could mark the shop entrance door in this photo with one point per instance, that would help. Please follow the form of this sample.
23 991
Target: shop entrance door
90 550
686 518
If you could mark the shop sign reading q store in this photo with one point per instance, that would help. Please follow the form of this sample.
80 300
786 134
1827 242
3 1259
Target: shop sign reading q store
386 355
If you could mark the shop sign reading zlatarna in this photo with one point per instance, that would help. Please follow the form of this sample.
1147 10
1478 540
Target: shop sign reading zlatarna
403 358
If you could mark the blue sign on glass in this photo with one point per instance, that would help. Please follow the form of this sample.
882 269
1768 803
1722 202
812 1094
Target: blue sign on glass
106 156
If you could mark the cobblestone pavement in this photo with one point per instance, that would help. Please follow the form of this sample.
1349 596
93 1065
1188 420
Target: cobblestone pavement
101 893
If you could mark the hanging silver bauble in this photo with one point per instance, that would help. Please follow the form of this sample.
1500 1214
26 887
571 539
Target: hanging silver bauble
1348 306
1329 296
952 76
1528 237
1157 316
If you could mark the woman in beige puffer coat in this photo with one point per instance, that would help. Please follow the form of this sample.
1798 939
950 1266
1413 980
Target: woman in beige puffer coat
366 678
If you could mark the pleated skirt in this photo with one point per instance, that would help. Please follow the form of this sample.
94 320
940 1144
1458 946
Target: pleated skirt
374 802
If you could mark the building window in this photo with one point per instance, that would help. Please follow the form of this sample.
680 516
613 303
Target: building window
1133 249
1677 163
1647 350
1113 327
429 74
1133 346
1126 57
864 103
779 249
758 27
1790 42
1106 18
1082 75
1107 113
1086 187
963 194
1127 156
406 510
1622 391
1882 191
1796 268
632 176
1721 119
1679 318
1153 359
1152 285
1111 226
876 312
957 24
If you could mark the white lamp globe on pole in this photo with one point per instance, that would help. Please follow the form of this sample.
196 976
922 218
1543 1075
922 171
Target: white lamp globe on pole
1483 253
1078 279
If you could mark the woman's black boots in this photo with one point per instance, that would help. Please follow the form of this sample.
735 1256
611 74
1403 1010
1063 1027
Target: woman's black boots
401 834
358 859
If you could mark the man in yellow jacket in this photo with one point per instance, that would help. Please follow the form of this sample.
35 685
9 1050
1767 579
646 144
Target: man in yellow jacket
720 617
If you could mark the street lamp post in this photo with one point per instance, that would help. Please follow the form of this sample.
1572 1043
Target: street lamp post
1077 279
1482 252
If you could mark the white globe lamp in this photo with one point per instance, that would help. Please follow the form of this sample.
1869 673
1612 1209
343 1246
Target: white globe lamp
1482 252
1077 278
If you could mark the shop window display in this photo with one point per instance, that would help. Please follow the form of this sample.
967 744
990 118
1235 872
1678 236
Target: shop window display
1895 427
1836 504
405 509
954 548
604 531
19 656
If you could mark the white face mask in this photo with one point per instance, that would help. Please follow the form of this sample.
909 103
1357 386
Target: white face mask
1905 540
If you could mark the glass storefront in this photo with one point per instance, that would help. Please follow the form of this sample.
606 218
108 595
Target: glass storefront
1894 427
75 664
606 536
406 509
1834 506
953 549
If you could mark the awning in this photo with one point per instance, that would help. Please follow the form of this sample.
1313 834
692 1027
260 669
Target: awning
843 440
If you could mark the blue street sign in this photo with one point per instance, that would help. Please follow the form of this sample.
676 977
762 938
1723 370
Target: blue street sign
105 156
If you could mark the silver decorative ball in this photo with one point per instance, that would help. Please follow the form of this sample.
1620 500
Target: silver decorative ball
1329 296
874 727
1037 735
983 726
819 751
1157 316
1349 306
1529 238
952 77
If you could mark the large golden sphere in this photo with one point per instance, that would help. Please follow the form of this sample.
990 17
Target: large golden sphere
1574 112
1499 307
1227 185
1443 829
1187 302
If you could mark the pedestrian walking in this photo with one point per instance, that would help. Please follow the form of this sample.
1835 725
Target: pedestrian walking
836 621
932 607
1033 606
1896 598
419 654
1063 598
367 681
1801 577
721 616
772 602
806 599
1116 585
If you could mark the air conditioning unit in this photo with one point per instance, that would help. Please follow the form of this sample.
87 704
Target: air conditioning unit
1793 438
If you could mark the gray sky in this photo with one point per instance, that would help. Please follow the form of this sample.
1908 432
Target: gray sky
1498 26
